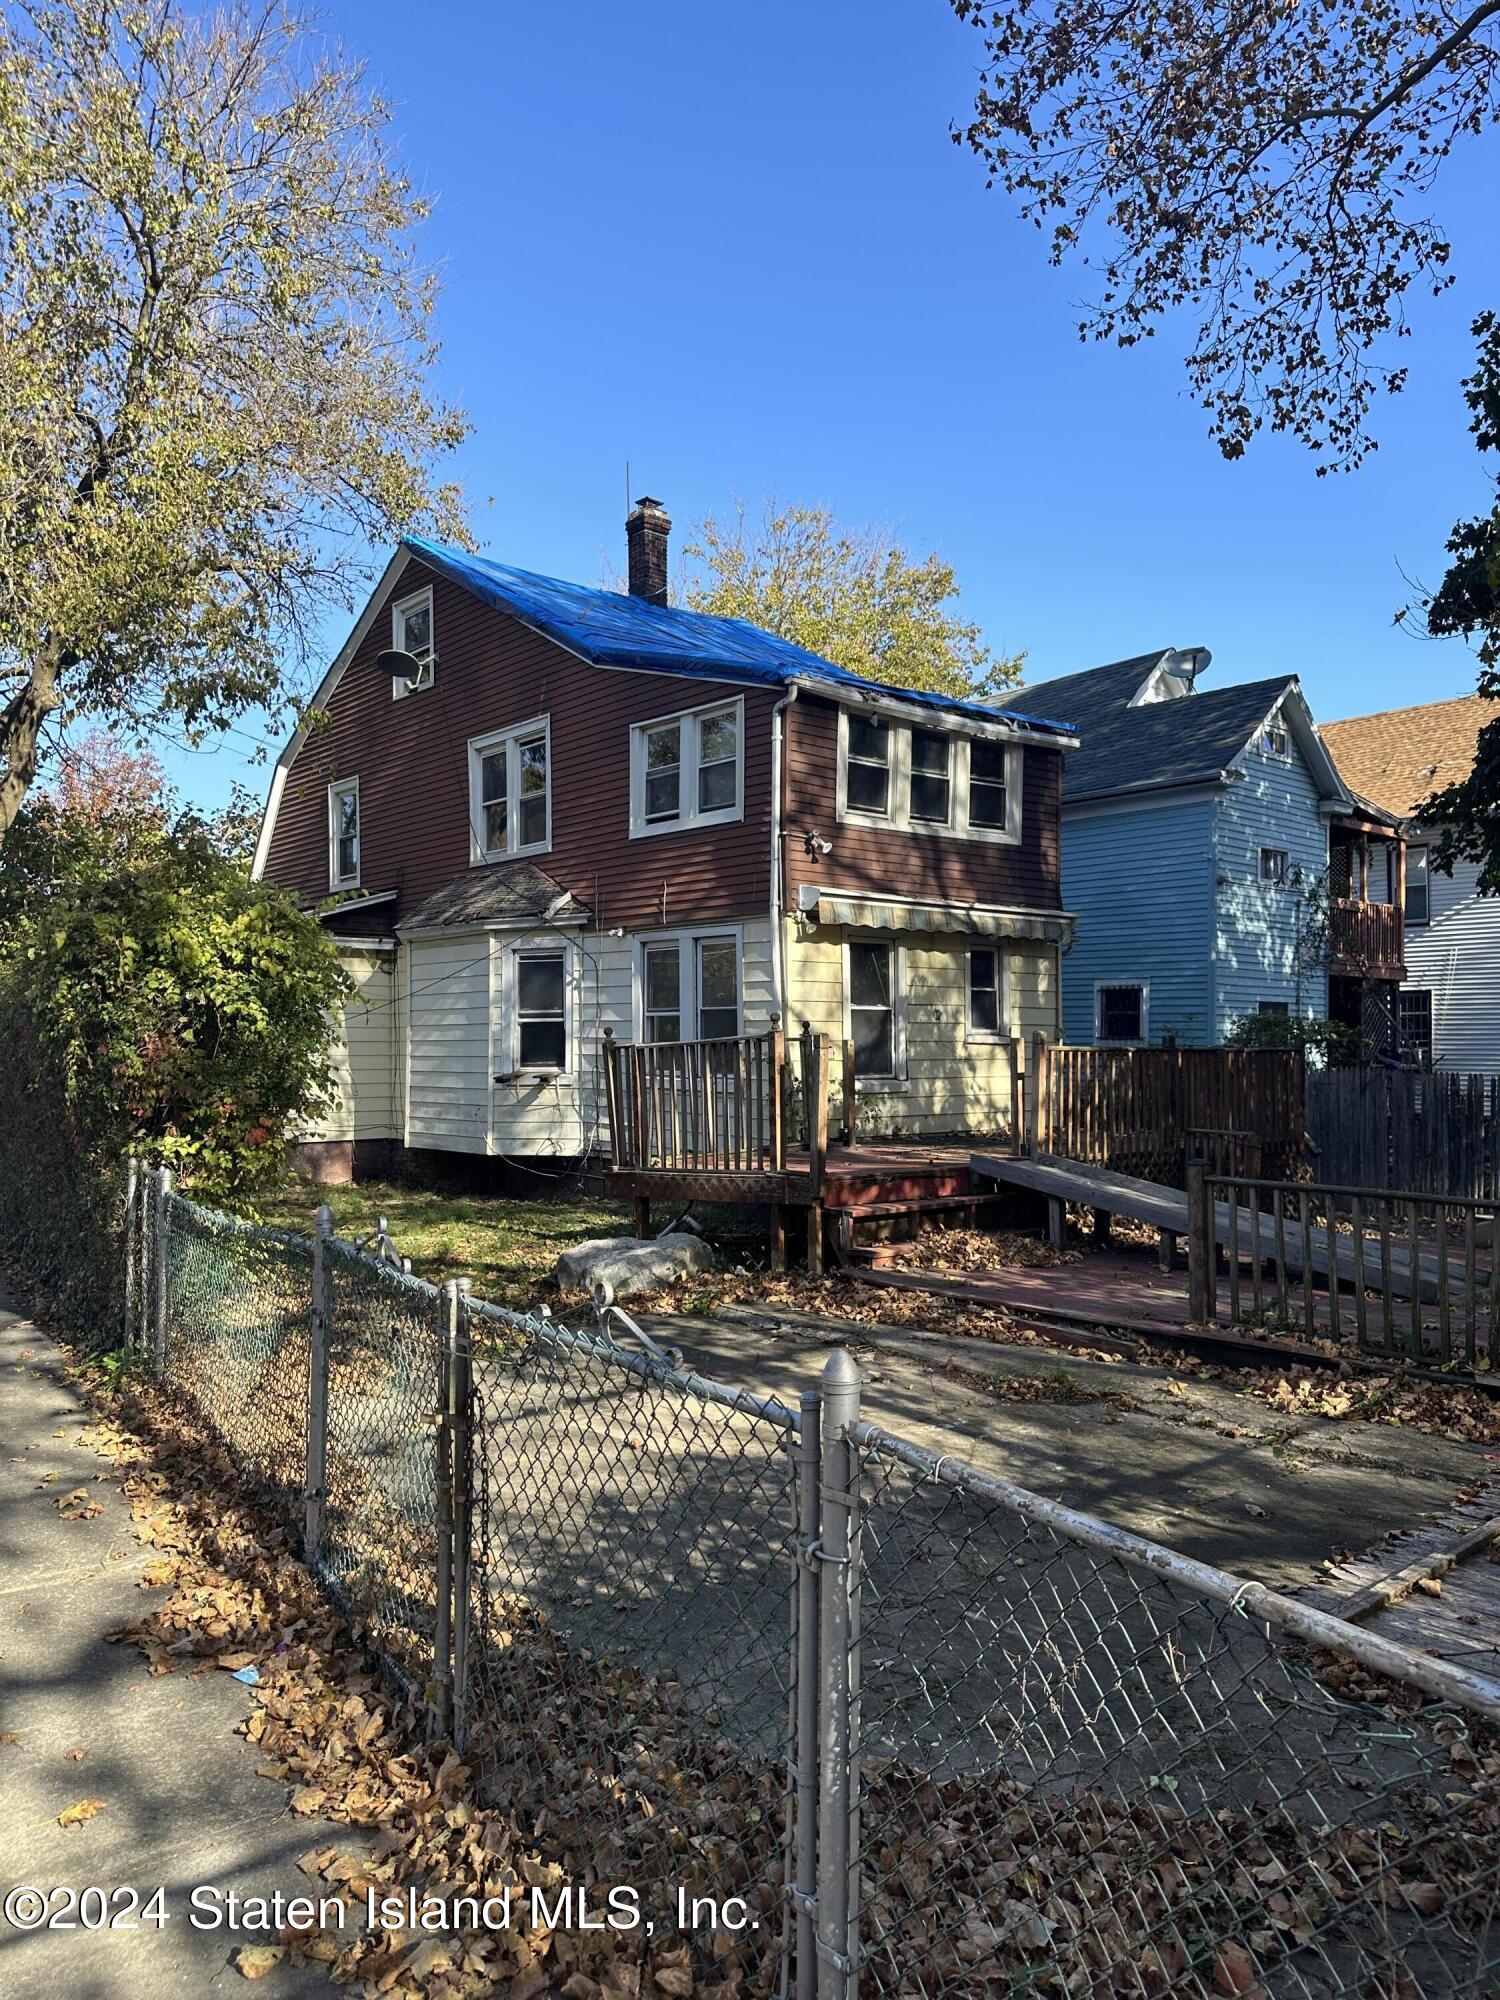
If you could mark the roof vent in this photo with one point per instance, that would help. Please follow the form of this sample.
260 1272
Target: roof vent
647 527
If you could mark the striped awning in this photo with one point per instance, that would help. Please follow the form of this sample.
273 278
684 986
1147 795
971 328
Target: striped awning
871 913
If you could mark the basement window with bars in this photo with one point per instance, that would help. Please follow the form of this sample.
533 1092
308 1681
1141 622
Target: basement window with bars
541 1010
1120 1013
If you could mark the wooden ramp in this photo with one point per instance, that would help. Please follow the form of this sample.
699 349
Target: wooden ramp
1071 1181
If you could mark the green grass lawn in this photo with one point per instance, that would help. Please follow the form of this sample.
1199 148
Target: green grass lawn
506 1247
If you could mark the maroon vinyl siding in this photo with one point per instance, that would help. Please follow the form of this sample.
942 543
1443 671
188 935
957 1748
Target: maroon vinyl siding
923 867
411 759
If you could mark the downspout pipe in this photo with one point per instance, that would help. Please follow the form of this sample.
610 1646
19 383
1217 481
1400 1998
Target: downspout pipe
778 942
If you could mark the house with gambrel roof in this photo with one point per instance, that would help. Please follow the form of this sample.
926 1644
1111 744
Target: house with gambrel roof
1217 864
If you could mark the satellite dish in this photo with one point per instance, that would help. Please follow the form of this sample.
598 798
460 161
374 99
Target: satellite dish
400 666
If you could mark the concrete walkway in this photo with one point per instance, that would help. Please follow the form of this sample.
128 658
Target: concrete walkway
183 1804
1200 1467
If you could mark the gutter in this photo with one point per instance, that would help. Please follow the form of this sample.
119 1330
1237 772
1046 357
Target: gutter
778 940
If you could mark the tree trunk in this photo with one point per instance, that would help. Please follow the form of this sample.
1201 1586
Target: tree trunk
20 730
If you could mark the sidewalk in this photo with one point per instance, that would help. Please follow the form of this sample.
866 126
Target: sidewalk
182 1803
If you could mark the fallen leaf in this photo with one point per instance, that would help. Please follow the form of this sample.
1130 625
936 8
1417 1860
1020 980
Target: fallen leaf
76 1755
9 1740
254 1961
75 1815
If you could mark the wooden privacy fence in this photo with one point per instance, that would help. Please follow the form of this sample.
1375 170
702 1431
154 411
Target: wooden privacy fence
1432 1130
1396 1274
1147 1111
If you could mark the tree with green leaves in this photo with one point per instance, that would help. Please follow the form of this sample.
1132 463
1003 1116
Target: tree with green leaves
1267 170
216 336
1467 604
853 596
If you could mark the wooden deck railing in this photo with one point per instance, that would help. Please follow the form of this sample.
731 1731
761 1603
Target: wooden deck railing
1367 936
1392 1273
714 1107
1147 1111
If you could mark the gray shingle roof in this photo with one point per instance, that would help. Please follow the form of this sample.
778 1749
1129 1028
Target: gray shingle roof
510 892
1182 742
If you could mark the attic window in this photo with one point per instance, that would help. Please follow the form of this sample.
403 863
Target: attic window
1278 742
411 632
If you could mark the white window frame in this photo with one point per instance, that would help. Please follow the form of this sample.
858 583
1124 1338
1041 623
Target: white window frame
480 747
898 816
689 999
515 956
988 1036
897 1080
690 721
1424 848
1278 739
1101 986
401 609
1276 877
336 791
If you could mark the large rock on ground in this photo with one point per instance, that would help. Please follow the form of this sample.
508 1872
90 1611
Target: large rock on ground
629 1264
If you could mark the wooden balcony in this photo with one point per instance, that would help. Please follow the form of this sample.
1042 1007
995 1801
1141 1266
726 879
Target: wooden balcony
1366 940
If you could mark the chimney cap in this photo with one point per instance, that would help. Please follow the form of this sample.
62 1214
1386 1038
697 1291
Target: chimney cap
646 501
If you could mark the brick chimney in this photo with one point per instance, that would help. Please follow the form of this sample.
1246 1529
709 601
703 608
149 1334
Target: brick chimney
647 527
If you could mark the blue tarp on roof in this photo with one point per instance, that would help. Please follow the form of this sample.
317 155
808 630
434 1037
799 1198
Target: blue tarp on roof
610 629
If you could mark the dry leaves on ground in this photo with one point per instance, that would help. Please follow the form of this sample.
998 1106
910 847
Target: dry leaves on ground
85 1809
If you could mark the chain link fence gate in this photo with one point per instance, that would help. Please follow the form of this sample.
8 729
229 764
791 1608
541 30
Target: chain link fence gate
914 1732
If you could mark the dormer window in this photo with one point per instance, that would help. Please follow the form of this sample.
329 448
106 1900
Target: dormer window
869 776
927 781
411 632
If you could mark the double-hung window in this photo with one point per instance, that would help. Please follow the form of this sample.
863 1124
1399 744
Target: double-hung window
987 1011
868 780
929 781
343 834
510 792
690 987
873 973
1414 1024
1418 885
411 632
931 778
687 770
541 1010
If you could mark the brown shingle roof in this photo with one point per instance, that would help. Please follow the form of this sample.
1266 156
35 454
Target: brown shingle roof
1404 755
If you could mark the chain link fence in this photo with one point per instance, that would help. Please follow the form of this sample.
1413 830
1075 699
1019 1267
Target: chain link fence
869 1720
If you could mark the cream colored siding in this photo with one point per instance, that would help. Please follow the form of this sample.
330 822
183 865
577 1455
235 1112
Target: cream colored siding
948 1083
366 1056
448 1063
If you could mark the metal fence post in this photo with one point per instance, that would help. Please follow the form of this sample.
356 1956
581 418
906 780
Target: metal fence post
319 1330
442 1635
838 1691
459 1386
803 1855
1201 1273
159 1254
132 1268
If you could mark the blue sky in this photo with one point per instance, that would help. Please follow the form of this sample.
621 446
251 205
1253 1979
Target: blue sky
735 246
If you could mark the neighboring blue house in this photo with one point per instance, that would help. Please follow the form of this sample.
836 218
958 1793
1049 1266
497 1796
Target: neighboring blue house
1215 861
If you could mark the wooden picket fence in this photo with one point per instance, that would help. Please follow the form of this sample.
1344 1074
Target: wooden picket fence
1431 1131
1149 1111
